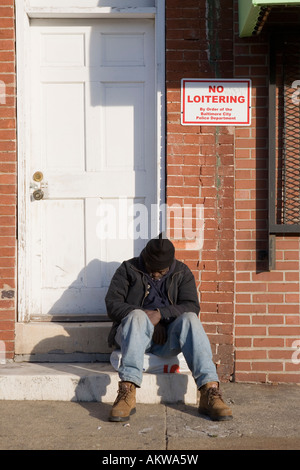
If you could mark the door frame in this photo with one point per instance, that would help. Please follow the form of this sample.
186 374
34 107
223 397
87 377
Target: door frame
25 10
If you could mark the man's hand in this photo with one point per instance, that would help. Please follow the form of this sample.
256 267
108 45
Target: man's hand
154 316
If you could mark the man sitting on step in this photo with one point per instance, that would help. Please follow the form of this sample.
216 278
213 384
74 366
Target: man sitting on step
153 302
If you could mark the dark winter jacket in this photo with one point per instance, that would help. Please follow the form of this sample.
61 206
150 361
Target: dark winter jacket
128 290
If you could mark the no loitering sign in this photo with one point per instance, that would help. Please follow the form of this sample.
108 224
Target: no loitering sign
219 102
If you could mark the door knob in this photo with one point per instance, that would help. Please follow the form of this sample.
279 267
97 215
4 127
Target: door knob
38 194
38 176
39 187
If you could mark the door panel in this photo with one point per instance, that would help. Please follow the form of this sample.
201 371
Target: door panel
63 126
123 103
93 138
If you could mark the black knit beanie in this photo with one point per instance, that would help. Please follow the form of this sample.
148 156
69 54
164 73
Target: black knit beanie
159 253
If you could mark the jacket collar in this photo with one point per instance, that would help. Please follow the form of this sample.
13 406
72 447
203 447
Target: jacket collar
135 264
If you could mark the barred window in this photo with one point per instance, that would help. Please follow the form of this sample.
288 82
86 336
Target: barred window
284 138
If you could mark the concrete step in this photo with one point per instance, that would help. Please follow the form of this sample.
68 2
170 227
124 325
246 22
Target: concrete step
88 382
62 341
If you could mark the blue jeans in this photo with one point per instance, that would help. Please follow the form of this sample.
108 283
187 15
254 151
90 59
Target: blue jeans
185 333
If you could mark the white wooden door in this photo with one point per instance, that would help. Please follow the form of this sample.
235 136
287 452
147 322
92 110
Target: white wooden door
93 140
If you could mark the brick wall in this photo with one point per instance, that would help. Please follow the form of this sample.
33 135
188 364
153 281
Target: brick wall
251 315
7 177
267 304
200 162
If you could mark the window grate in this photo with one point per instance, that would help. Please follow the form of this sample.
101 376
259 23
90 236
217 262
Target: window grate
284 138
291 133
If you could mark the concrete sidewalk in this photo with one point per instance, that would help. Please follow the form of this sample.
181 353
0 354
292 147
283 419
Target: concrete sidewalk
265 417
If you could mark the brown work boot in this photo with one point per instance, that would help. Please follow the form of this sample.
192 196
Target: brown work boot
124 405
212 404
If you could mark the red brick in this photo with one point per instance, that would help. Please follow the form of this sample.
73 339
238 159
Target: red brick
250 377
267 366
250 331
251 354
284 378
268 342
